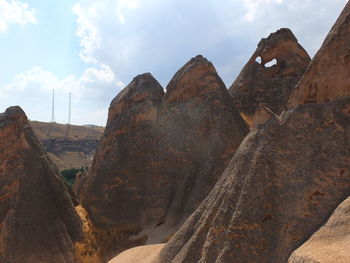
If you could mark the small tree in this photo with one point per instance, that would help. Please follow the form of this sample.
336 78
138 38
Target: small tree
70 174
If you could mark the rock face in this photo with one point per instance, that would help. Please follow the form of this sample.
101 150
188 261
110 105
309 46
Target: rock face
330 244
160 155
121 190
259 86
324 79
38 219
70 146
283 183
200 132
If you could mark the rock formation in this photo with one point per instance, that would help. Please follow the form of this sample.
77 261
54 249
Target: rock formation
330 244
160 156
200 131
259 86
70 146
281 185
284 181
324 79
121 190
37 215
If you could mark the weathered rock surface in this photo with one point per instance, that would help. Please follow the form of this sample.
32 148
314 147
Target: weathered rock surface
330 244
282 184
121 190
259 86
284 181
160 156
324 79
68 146
200 131
37 215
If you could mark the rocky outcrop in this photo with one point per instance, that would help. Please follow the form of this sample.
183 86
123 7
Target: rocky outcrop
283 182
330 244
324 79
260 85
38 219
160 155
121 190
69 146
200 131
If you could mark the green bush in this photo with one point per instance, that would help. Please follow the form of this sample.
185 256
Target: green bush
70 174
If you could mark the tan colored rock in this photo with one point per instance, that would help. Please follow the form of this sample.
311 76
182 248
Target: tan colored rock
331 243
38 222
259 86
280 186
121 191
200 131
86 251
159 157
141 254
324 79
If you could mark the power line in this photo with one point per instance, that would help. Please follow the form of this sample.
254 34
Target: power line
53 106
69 114
52 119
69 109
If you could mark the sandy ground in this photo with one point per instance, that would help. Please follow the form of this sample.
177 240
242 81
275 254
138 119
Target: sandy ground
142 254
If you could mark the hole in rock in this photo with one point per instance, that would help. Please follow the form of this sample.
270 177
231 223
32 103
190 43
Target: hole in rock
258 59
271 63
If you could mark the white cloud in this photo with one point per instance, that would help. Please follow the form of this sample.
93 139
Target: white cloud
123 6
253 7
95 117
133 37
122 38
40 80
87 32
88 92
15 12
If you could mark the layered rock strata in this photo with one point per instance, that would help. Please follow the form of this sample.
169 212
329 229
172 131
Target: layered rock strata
68 146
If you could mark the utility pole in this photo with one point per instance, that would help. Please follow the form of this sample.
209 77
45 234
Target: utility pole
69 109
69 114
52 119
53 106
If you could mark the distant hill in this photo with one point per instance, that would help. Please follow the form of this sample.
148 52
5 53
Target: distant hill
70 146
91 126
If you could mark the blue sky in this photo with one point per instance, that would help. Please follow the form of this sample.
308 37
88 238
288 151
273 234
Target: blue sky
94 48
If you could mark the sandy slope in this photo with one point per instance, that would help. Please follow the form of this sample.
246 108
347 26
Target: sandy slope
142 254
